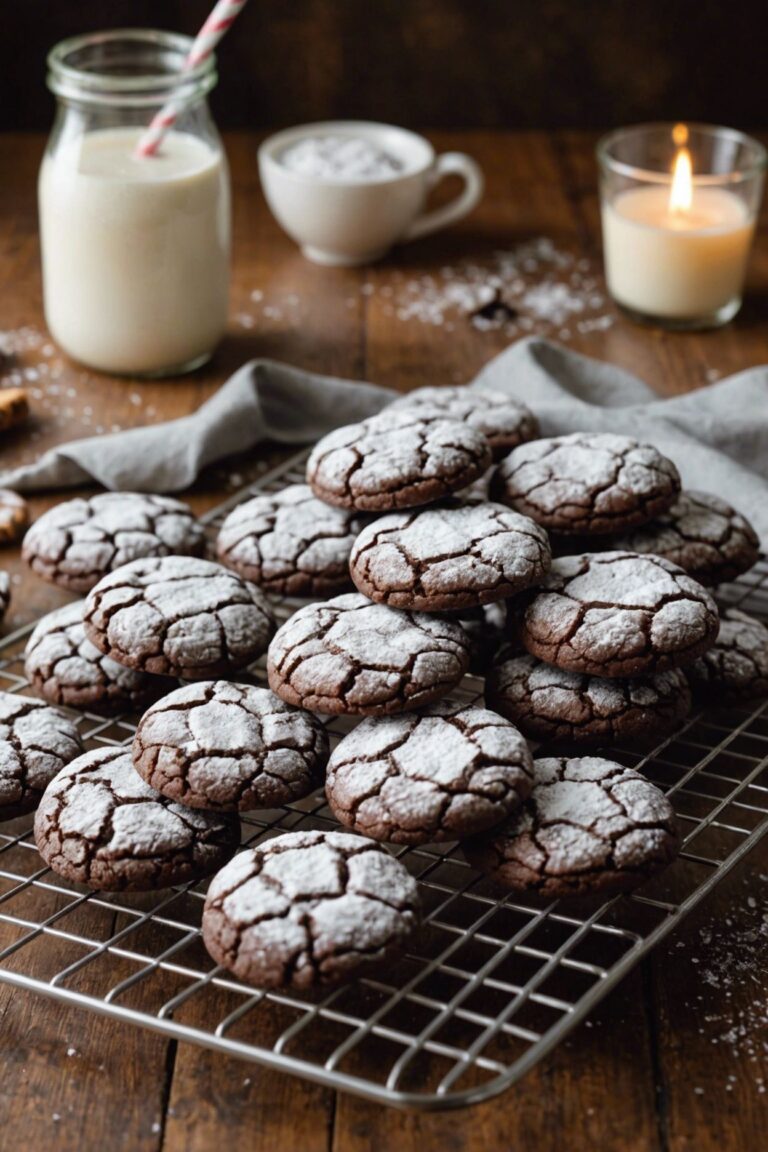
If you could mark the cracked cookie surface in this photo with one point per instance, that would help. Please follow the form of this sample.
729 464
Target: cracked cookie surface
178 616
447 558
99 824
735 668
229 747
396 461
503 421
308 909
588 825
548 703
78 542
290 542
700 532
348 655
36 742
587 482
5 593
64 667
14 516
449 772
618 614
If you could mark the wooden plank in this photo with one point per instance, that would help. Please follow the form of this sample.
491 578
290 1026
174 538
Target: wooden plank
595 1091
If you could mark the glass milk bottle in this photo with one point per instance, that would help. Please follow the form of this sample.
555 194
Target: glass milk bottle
135 249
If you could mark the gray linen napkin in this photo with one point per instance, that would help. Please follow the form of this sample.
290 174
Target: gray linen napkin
718 436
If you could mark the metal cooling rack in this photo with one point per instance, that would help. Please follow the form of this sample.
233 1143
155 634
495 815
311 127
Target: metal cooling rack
490 984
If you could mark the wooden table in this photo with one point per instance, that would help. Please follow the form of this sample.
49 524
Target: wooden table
652 1069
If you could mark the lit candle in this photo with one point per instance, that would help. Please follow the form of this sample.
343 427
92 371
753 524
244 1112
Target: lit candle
676 244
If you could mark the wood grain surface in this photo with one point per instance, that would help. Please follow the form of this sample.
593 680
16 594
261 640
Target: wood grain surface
659 1067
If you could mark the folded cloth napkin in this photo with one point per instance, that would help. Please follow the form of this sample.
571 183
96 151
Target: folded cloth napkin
717 436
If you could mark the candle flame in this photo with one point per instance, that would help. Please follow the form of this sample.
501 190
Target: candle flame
681 193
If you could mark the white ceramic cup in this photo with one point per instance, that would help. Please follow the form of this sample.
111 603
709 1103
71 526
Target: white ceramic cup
356 221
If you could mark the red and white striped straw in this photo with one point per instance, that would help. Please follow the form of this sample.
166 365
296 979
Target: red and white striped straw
220 20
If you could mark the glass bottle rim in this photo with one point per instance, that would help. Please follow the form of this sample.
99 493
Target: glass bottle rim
609 163
79 68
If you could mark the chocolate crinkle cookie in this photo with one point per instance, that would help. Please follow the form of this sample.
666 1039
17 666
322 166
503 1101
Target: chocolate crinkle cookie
178 616
308 909
290 542
100 824
587 482
548 703
396 461
229 747
588 825
701 533
5 593
450 557
444 774
14 516
79 541
503 421
735 668
351 656
64 667
36 742
618 614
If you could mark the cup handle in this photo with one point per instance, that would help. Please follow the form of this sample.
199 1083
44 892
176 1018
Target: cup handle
450 163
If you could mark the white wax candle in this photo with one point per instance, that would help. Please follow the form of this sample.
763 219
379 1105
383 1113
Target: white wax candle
676 264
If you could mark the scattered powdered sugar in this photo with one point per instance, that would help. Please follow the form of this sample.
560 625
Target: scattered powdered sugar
733 969
340 158
534 288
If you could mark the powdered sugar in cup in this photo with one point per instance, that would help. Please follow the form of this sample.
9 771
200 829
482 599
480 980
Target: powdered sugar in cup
347 190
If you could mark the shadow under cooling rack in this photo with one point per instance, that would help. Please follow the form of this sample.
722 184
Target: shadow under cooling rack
490 983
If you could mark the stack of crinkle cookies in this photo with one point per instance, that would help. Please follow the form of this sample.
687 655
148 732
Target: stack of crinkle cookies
451 556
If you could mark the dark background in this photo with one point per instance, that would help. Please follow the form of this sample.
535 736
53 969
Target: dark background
437 63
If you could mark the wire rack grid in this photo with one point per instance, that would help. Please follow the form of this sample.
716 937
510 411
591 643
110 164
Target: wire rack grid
491 983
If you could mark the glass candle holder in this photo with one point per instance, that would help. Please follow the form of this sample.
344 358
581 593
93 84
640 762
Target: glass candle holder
678 206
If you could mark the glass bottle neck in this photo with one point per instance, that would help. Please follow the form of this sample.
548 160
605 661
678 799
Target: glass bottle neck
129 69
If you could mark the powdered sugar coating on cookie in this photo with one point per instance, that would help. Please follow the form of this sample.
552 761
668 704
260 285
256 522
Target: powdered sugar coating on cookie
229 747
290 542
735 668
178 616
64 667
446 773
618 614
551 704
351 656
309 908
503 421
79 541
587 482
399 460
100 824
450 557
588 824
36 742
701 533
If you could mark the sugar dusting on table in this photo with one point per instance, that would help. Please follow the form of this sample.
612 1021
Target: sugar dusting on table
732 961
534 288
